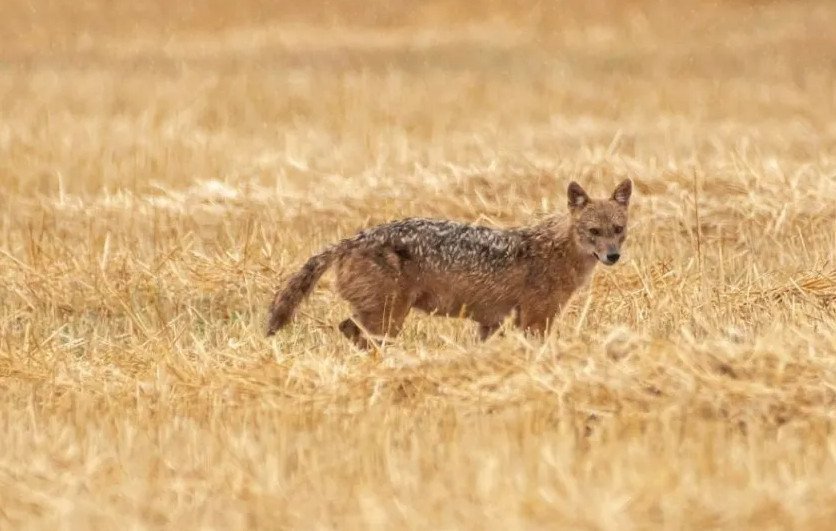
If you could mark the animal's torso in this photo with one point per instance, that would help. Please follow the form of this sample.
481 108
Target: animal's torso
458 269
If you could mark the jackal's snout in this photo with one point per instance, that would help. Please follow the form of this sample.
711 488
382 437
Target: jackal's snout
609 255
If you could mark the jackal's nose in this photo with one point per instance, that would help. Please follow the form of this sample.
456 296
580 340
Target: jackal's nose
613 257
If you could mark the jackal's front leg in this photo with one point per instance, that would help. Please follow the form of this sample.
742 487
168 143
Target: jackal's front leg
486 330
536 318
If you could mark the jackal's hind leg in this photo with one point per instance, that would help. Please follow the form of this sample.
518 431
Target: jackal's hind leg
378 318
350 329
377 289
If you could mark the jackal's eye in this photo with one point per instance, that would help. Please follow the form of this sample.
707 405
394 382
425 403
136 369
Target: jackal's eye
595 232
618 229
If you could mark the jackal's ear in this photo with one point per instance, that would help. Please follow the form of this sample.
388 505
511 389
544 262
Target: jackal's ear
622 192
577 196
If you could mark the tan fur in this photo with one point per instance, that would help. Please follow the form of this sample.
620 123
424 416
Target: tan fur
454 269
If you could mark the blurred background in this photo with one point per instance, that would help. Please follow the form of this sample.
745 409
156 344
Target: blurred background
313 88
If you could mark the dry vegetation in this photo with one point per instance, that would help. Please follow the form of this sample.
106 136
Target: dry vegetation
162 168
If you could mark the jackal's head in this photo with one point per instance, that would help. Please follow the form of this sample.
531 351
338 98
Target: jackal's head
599 226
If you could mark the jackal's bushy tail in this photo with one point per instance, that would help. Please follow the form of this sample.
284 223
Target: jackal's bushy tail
298 287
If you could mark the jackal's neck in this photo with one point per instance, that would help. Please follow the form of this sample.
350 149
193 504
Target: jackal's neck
555 237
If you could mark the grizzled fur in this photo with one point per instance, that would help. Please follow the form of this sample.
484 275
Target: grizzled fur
461 270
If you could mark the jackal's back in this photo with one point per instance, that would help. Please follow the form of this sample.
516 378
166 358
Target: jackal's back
441 245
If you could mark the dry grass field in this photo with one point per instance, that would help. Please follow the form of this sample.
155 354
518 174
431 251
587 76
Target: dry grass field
164 166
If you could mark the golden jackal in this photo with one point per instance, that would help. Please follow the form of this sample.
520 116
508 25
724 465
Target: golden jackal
457 269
